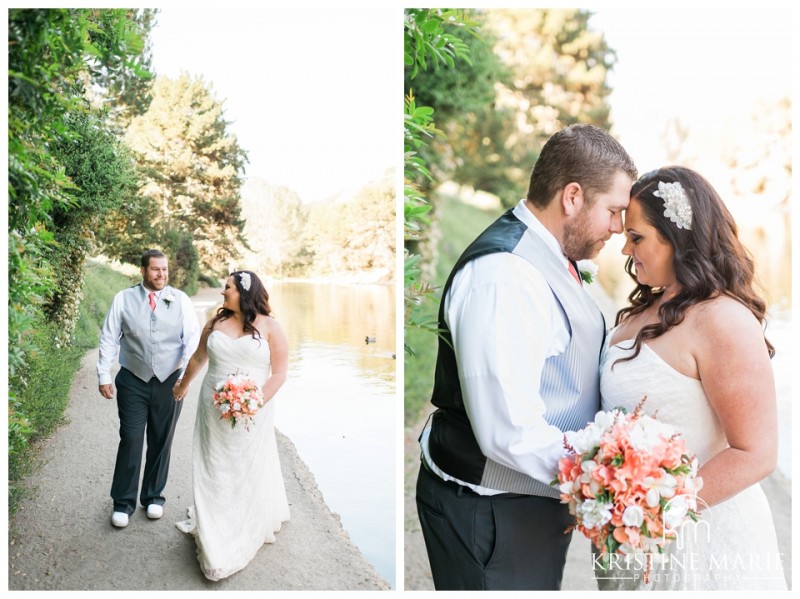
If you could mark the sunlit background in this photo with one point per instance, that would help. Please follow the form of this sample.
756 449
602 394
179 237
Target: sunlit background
711 90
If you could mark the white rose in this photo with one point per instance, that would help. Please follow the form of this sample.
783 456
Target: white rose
633 516
605 420
594 513
585 439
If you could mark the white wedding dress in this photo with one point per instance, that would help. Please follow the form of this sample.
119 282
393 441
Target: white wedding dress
734 546
239 495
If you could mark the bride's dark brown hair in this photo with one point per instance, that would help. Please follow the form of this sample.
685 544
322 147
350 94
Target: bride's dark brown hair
709 259
252 302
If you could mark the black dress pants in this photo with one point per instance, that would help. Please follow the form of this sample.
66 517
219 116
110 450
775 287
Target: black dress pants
501 542
145 408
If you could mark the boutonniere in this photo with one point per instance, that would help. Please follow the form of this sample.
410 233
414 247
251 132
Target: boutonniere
169 299
587 270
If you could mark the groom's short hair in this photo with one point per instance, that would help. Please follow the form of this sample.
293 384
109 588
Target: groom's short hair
151 254
580 153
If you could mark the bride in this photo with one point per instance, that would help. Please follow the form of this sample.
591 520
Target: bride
239 495
692 342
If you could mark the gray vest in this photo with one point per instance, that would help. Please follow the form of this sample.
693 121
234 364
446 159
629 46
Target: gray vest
152 340
569 387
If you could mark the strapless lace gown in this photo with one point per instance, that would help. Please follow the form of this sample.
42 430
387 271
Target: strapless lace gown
735 547
239 495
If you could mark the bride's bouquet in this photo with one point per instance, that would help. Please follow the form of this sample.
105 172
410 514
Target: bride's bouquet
629 482
238 398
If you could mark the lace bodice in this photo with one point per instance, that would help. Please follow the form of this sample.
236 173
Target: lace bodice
226 355
672 397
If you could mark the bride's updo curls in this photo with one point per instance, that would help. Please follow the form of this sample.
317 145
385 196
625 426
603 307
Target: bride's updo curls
709 259
253 300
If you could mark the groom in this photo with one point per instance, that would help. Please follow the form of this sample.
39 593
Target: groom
154 329
517 366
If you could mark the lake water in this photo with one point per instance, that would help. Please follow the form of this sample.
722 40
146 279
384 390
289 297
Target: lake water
338 405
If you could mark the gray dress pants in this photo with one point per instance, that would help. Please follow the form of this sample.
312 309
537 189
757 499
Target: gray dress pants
145 408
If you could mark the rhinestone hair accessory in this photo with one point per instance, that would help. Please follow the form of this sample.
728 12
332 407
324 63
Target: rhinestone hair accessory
244 279
676 205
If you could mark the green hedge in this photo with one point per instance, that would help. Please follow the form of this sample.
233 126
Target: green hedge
41 402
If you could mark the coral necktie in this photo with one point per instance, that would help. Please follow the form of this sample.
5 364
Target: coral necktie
152 301
573 272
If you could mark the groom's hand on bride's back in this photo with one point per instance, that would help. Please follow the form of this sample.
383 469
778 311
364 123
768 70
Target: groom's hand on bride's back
107 391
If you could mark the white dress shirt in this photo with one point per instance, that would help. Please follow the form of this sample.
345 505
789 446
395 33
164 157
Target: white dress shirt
112 330
505 323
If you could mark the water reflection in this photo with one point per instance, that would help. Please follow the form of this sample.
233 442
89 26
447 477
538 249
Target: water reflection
338 404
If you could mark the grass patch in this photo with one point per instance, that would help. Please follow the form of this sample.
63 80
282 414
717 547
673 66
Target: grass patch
100 286
460 224
43 388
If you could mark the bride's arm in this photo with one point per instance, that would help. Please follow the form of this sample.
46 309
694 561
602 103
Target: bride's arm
196 363
279 358
736 373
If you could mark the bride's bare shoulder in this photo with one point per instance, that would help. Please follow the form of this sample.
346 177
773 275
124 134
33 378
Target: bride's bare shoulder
723 317
268 325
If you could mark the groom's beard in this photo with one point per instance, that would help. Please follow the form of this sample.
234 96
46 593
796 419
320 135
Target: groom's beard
578 242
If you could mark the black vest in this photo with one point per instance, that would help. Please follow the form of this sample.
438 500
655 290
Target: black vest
452 443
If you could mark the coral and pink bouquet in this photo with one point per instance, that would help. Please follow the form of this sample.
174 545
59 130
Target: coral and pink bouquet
238 398
629 482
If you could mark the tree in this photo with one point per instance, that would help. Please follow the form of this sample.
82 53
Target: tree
53 57
52 54
125 91
558 77
456 91
191 170
355 233
371 219
428 37
101 169
760 163
275 230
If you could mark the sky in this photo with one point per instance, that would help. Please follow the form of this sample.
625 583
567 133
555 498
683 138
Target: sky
708 66
313 94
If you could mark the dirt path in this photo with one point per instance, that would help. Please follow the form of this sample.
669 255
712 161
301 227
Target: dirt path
62 537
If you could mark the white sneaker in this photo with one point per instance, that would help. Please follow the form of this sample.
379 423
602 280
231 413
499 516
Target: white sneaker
154 511
119 519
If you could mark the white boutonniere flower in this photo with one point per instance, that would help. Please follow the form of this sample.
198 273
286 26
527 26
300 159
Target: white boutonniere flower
587 270
169 299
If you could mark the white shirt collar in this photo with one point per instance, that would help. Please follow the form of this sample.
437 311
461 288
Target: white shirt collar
535 225
148 291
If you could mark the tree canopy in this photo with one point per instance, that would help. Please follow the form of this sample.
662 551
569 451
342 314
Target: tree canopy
531 72
191 169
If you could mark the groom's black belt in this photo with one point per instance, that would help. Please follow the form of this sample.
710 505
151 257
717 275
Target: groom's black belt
461 489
